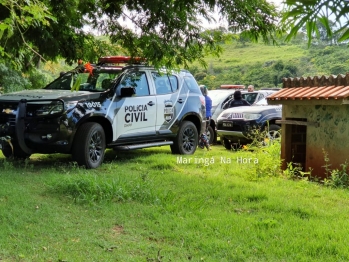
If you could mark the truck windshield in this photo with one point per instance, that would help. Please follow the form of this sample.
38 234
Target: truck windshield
98 81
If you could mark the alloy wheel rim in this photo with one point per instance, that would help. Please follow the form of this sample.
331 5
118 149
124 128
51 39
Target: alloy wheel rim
188 139
95 147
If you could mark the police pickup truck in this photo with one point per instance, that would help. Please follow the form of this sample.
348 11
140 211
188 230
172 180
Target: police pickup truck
104 105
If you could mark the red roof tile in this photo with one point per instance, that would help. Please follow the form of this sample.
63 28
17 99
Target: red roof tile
333 87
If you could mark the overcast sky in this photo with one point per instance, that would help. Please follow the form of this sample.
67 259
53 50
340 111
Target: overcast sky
224 23
204 23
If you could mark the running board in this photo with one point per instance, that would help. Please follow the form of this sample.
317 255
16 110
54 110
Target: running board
145 145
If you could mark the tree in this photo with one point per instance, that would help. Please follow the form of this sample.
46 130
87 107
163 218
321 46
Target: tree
317 16
167 33
16 17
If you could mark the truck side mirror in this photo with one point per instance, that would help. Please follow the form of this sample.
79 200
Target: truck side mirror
127 91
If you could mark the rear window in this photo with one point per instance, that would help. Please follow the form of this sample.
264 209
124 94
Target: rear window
250 97
191 84
165 84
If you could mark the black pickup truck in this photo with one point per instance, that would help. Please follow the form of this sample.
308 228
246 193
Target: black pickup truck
238 124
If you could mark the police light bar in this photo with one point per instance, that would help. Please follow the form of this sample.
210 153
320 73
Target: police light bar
232 86
120 60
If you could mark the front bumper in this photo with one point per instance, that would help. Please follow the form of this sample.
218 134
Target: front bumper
237 130
31 134
225 133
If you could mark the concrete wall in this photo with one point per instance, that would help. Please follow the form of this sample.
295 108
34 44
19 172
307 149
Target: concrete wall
332 135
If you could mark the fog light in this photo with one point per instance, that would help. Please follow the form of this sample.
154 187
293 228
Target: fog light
48 137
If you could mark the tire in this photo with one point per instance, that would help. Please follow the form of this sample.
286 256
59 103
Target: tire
17 153
273 132
186 140
89 145
215 136
210 135
226 143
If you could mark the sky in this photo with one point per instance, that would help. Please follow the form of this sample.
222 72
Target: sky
278 3
205 23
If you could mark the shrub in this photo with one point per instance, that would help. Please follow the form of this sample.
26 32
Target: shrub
11 81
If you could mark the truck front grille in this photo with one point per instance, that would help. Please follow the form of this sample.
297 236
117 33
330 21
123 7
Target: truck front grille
11 119
8 113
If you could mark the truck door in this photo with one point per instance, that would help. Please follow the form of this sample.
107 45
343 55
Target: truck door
135 115
170 100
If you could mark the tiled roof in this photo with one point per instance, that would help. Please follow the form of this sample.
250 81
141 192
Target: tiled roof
332 87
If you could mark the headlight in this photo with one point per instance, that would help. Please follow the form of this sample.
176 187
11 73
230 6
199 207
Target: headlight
222 115
249 116
50 109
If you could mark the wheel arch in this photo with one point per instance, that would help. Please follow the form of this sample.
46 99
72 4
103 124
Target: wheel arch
271 121
195 120
104 122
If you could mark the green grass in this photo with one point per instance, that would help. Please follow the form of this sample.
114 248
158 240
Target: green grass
146 206
234 54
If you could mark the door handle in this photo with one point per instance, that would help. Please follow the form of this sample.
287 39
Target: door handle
180 101
151 103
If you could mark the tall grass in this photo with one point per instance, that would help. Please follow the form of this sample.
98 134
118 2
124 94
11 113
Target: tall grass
146 205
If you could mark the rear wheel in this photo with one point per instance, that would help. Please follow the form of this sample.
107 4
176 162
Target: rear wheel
226 143
186 140
210 135
89 145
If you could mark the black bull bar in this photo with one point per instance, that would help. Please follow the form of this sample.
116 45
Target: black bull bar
20 123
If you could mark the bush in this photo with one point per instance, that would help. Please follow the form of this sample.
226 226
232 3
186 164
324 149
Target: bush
39 79
11 81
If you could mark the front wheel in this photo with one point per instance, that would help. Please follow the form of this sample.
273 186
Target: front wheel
226 143
89 145
273 132
210 135
186 140
14 151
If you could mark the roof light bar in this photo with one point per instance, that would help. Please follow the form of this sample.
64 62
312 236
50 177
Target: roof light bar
232 87
120 60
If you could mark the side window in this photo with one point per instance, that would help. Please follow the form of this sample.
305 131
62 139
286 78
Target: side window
137 80
173 83
165 84
191 84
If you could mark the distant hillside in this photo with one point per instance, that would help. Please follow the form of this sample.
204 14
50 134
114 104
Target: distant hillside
266 65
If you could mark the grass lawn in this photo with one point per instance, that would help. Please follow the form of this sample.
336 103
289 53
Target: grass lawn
150 205
238 55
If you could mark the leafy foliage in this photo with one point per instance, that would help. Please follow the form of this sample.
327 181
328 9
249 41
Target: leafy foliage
316 17
17 19
166 33
337 178
11 80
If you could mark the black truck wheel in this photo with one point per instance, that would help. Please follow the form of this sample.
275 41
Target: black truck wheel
186 140
89 145
226 143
